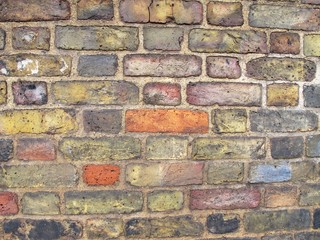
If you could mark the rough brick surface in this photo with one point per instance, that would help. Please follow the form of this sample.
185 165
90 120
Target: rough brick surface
97 65
30 38
108 121
223 67
36 149
282 42
6 150
40 203
95 9
224 14
282 95
101 174
8 203
162 94
29 93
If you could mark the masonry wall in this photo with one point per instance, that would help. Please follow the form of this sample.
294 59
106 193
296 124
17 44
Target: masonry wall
159 119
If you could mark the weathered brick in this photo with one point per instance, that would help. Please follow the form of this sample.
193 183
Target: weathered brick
166 147
161 174
50 121
311 45
224 198
161 38
228 148
34 10
316 2
168 120
97 65
36 149
135 10
95 92
6 150
282 95
284 196
229 120
288 69
162 65
107 38
287 147
31 38
159 201
311 94
8 203
30 93
309 195
3 92
101 174
285 42
225 172
104 228
285 17
285 220
223 67
224 14
95 9
108 121
221 224
41 229
303 171
103 202
224 94
20 65
157 93
40 203
227 41
278 237
180 226
316 218
307 236
312 146
283 121
38 176
2 38
100 149
269 173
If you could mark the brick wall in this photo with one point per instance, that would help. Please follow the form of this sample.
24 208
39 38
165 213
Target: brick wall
157 119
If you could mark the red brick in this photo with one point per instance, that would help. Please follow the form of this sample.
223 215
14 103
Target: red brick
162 94
36 149
223 67
224 198
285 42
101 174
8 203
167 120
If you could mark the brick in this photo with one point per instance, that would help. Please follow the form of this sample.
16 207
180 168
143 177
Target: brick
284 196
223 67
162 65
220 224
228 148
33 10
224 198
8 203
287 147
6 150
162 38
31 38
166 94
3 92
303 171
229 120
278 237
283 121
161 174
307 235
166 147
224 14
94 202
53 175
42 149
135 11
287 69
21 65
100 149
40 203
284 43
101 174
108 121
160 201
223 94
316 2
223 41
311 94
41 229
95 92
168 121
95 9
312 146
97 65
225 172
309 195
2 38
104 228
49 121
282 95
284 17
30 93
105 38
180 226
284 220
311 45
316 219
269 173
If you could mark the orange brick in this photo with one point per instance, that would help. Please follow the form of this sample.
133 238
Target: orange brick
167 120
8 203
101 174
283 196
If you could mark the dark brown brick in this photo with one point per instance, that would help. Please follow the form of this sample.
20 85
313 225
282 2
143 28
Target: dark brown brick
284 42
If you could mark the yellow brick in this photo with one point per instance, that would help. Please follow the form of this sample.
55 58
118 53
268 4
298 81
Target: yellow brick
230 120
3 92
159 201
282 95
312 45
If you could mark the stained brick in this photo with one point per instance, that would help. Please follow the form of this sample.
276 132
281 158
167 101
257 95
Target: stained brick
229 120
311 43
284 43
108 121
278 237
40 203
6 150
309 195
223 67
316 218
104 228
311 94
284 196
36 149
217 224
3 92
268 173
30 93
101 174
312 143
30 38
157 93
287 147
303 171
224 14
159 201
97 65
225 172
307 235
2 38
95 9
282 95
8 203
